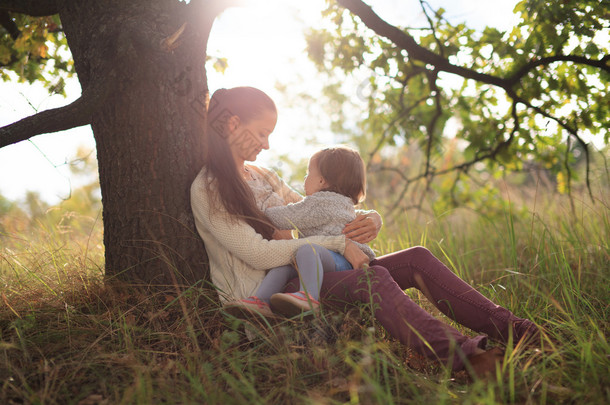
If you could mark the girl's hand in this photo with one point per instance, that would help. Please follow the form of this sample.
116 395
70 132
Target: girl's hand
364 228
354 255
282 234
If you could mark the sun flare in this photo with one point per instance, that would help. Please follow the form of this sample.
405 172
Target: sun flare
262 41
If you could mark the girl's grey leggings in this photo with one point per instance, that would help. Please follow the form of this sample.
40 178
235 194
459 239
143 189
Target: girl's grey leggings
312 261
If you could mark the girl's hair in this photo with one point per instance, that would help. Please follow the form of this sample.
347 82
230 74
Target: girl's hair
234 194
343 170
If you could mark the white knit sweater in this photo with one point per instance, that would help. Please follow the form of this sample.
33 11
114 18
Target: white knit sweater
238 255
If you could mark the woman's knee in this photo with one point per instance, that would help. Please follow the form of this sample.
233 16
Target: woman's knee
421 257
416 255
420 251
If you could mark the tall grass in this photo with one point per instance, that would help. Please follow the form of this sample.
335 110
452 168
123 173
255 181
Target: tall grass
65 337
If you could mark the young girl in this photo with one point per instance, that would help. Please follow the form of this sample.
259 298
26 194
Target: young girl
336 180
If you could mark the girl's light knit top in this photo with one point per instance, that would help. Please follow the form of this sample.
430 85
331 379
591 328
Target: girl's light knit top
322 213
238 255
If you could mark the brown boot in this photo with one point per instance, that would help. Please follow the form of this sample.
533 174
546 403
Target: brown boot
483 365
527 333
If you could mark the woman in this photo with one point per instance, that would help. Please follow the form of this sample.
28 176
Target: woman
240 244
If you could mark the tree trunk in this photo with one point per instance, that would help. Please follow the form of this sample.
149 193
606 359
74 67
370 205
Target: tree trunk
149 132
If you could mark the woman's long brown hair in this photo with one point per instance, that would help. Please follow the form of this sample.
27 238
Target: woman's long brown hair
234 194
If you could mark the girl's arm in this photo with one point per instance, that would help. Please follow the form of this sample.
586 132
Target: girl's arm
282 234
308 213
289 194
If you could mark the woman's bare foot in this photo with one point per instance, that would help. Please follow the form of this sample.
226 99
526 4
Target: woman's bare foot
483 364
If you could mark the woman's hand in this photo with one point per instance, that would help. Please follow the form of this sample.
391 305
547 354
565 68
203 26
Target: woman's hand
354 255
282 234
364 228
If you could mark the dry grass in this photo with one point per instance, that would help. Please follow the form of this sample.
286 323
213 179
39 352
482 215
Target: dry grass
65 337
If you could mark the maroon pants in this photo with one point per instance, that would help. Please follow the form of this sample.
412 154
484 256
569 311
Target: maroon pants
382 285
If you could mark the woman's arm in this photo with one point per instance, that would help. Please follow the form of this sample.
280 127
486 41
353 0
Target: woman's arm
354 255
364 228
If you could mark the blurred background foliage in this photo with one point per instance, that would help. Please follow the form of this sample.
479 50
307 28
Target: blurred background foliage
431 140
76 213
34 49
428 133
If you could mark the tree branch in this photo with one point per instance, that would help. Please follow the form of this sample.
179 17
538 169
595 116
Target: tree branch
459 168
15 59
490 154
404 41
73 115
603 63
438 112
423 4
573 132
35 8
458 175
566 164
399 117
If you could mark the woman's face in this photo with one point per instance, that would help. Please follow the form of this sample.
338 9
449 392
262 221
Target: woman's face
246 140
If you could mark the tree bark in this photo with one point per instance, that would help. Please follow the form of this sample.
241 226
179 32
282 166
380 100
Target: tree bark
149 131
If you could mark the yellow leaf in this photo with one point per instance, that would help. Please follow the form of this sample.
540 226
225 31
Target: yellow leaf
562 185
42 51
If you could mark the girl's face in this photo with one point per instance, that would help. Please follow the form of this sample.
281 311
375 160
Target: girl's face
247 140
314 181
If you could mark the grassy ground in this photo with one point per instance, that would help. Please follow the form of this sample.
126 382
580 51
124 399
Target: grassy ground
67 338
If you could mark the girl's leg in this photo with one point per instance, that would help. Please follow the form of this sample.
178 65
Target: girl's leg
417 267
398 314
312 262
326 258
274 281
310 269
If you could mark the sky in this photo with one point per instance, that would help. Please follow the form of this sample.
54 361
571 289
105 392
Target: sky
264 45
